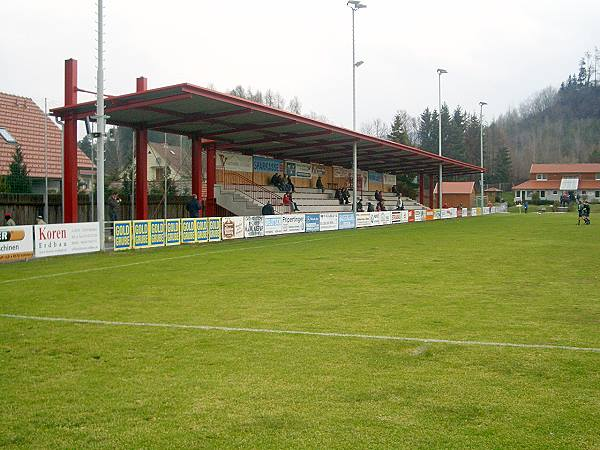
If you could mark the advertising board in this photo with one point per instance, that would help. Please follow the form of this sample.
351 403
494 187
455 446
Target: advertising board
389 180
298 169
313 222
16 243
396 216
157 233
214 229
201 229
346 221
293 223
141 234
273 225
66 238
270 165
173 232
234 162
374 219
419 215
232 228
465 212
122 235
254 226
411 215
363 219
386 217
188 231
429 214
329 221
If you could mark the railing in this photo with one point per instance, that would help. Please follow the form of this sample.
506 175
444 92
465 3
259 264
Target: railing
234 181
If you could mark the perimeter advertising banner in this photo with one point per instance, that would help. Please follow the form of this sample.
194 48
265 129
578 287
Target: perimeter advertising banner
141 234
313 222
157 233
386 218
346 221
202 230
66 238
214 229
254 226
232 228
273 225
329 221
375 219
16 243
473 212
173 232
396 216
419 215
437 215
465 212
122 235
363 219
429 214
411 215
486 210
188 231
293 223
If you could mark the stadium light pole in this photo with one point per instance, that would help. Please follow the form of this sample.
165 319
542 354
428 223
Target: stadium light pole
440 72
46 160
354 5
101 122
481 105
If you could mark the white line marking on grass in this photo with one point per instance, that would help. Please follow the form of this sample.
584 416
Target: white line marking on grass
304 333
154 260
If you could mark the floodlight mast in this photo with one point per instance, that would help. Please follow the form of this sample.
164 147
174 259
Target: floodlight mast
101 122
440 175
354 5
481 105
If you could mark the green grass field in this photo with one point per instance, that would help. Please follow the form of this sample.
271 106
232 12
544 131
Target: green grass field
522 279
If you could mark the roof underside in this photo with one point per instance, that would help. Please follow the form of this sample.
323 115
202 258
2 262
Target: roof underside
241 125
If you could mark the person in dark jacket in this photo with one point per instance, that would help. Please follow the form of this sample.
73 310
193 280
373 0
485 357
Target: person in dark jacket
114 205
193 206
268 210
359 205
319 184
370 207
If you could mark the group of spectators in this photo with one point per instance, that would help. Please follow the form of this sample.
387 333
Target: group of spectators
583 212
282 182
342 195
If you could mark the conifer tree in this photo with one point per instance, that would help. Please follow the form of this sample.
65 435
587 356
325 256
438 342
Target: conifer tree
18 180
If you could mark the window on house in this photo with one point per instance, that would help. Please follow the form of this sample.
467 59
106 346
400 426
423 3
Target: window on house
160 173
528 193
553 192
597 194
541 177
597 178
7 136
542 194
582 192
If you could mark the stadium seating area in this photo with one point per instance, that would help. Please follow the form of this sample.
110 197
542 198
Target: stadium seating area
243 200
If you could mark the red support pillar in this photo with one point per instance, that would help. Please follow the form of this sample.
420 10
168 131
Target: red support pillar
421 188
431 185
141 163
211 178
70 146
197 167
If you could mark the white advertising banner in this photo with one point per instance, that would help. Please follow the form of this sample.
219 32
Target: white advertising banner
273 225
16 243
340 172
389 180
465 211
386 217
363 219
235 162
66 238
446 214
486 210
375 219
293 223
454 213
232 228
254 226
419 215
318 170
397 216
329 221
473 212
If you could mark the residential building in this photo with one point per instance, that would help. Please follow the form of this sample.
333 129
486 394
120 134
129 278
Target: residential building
550 181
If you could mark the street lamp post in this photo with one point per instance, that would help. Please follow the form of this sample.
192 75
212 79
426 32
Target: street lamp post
440 72
481 105
354 5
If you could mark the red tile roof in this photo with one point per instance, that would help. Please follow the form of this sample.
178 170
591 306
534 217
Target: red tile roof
24 120
534 185
565 168
456 187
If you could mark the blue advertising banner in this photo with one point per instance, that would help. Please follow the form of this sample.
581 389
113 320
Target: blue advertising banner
262 164
214 229
202 230
346 221
141 234
188 231
313 222
173 232
122 235
157 233
375 177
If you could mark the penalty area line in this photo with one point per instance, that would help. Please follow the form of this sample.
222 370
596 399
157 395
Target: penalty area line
300 332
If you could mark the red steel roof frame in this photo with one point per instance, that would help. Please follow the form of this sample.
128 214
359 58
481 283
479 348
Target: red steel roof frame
188 91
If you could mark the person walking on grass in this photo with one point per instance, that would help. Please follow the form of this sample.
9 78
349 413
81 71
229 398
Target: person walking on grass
586 212
579 212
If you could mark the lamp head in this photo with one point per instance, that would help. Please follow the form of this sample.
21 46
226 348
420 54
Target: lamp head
441 71
356 4
358 63
482 103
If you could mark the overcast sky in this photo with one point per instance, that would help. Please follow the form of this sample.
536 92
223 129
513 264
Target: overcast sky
497 51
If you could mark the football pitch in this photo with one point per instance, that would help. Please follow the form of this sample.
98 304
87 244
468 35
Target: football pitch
467 333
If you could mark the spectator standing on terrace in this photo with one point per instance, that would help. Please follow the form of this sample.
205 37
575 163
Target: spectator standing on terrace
378 195
345 196
8 220
114 204
399 202
193 206
319 184
359 205
290 185
268 209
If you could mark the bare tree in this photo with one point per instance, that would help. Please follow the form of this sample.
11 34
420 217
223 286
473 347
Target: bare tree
377 128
